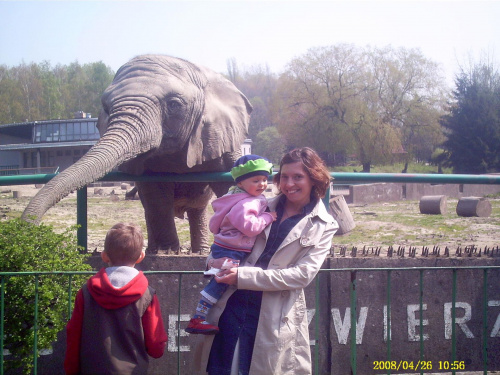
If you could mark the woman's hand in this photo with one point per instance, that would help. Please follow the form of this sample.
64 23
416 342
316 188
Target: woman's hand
229 276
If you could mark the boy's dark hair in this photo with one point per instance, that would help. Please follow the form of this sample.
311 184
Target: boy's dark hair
123 243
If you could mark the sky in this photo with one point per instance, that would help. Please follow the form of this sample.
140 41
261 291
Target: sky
253 32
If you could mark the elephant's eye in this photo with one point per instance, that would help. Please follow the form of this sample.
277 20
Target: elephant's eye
174 105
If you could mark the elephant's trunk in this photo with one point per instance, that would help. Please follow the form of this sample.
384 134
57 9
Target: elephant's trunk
121 142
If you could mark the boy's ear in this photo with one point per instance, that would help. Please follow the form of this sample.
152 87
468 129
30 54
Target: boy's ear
141 257
105 257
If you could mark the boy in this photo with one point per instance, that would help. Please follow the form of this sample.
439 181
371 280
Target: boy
116 322
239 216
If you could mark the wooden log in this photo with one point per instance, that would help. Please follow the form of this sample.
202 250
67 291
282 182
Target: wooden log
340 212
473 206
433 204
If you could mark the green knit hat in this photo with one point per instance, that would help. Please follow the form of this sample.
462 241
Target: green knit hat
249 166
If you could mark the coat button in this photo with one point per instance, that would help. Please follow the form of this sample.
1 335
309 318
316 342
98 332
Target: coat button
285 319
285 293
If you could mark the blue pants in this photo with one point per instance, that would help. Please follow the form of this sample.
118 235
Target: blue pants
213 291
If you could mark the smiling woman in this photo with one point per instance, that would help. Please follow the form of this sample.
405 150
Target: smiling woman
268 291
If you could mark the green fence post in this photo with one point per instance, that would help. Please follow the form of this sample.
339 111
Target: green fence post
2 312
35 330
353 323
70 280
485 321
81 216
421 303
453 319
179 327
388 319
316 325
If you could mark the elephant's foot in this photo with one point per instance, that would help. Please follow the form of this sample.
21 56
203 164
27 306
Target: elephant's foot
154 249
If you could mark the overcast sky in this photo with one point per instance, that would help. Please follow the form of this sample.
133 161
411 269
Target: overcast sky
253 32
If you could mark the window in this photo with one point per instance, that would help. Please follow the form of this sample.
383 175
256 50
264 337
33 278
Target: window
62 129
37 132
63 132
84 130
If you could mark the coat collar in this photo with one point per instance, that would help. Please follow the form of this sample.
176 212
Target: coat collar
318 210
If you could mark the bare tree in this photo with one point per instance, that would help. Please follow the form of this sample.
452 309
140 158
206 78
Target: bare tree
359 101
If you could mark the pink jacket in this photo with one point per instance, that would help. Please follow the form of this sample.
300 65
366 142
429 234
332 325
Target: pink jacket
238 219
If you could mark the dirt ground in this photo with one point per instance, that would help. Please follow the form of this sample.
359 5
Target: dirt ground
374 228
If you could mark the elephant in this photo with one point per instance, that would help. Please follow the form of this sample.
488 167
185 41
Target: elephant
161 114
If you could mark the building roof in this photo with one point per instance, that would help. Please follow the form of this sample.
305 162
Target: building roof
29 146
24 129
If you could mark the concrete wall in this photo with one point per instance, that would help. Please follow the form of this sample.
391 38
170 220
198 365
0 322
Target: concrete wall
334 314
386 192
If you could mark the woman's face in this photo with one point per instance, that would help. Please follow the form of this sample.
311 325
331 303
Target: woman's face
295 183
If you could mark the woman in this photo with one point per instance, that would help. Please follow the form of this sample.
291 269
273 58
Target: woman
262 316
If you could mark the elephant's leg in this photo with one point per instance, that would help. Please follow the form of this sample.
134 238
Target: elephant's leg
193 198
158 201
198 224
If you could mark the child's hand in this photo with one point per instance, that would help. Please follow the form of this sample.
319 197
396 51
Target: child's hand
274 214
219 262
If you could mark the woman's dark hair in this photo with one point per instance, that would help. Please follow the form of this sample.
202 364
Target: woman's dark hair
313 165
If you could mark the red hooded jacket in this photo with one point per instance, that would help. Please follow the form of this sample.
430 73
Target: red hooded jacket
111 298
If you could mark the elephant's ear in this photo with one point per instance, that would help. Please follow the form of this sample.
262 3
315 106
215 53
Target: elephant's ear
224 122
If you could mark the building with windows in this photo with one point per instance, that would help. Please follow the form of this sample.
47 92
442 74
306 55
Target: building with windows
45 146
50 146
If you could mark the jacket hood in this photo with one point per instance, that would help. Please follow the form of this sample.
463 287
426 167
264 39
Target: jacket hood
221 208
110 297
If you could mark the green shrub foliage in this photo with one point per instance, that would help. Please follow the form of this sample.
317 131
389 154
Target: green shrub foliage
28 247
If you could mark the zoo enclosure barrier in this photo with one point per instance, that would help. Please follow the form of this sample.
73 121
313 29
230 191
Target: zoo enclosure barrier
341 178
338 178
391 362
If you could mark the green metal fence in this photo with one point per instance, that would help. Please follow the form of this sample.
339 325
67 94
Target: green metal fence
351 274
339 177
342 178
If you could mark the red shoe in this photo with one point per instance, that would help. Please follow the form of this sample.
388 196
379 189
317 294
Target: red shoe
201 326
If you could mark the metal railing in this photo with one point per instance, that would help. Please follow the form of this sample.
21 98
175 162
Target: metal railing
339 177
353 297
342 178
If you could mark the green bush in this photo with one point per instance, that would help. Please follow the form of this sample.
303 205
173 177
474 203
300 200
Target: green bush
28 247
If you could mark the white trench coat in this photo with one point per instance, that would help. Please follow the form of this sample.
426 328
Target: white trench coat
282 340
